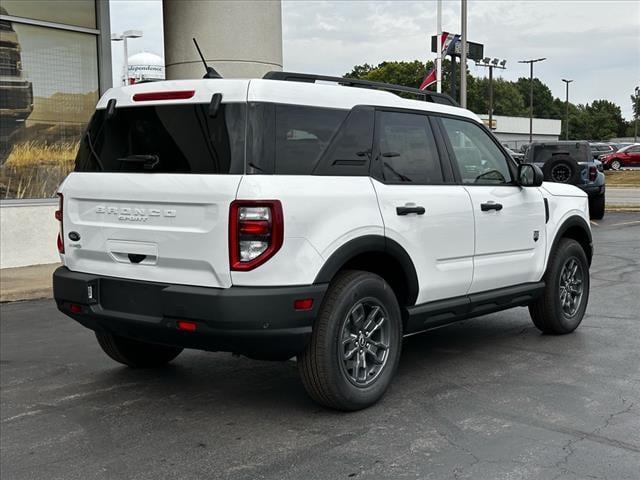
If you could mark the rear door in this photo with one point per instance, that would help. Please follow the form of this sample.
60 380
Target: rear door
509 219
634 156
150 196
422 210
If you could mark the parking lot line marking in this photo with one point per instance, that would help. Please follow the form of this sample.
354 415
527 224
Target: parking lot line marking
20 415
594 223
624 223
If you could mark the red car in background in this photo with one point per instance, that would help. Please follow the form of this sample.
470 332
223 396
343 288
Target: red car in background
628 156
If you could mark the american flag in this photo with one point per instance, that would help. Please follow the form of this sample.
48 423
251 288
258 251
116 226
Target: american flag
447 47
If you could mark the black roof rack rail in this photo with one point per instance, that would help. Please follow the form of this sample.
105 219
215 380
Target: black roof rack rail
424 95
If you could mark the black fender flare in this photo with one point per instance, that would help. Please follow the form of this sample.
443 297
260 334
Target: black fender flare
367 244
571 222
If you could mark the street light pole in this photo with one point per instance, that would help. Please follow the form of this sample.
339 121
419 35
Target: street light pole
490 97
566 111
463 55
122 37
635 110
491 64
531 62
439 47
126 60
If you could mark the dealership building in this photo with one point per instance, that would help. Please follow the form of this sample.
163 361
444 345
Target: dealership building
513 132
55 62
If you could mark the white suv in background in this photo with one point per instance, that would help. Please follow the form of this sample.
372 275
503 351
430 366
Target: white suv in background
280 217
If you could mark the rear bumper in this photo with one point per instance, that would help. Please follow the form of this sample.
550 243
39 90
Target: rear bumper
592 190
259 322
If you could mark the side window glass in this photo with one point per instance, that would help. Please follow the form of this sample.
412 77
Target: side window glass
350 149
407 149
479 159
302 135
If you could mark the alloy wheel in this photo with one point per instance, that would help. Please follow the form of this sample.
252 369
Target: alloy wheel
571 286
364 342
561 173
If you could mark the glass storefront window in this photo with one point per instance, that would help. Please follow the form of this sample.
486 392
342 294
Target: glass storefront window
48 91
81 13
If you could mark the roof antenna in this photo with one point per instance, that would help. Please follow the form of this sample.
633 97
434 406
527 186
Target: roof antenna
211 72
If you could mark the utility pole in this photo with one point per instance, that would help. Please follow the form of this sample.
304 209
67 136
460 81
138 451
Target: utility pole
531 62
122 37
491 64
439 47
635 111
463 54
566 111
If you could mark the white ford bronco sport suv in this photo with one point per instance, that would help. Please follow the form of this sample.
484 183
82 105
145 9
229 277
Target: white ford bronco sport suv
283 217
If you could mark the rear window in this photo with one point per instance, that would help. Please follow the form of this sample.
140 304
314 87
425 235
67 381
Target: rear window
542 153
165 139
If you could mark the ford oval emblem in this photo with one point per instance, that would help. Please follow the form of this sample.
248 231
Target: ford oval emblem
74 236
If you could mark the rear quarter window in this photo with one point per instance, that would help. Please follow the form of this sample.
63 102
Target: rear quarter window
290 139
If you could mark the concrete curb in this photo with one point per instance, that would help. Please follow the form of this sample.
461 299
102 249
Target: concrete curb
26 283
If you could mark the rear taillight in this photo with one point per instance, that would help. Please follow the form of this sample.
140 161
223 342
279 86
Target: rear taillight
256 231
593 173
58 216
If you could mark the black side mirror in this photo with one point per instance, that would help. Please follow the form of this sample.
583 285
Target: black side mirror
529 175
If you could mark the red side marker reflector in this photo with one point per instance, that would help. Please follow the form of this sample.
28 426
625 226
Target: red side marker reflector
60 243
168 95
75 308
186 326
303 304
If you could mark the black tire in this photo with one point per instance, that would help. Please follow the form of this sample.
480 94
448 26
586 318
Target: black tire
596 207
323 365
136 354
547 312
615 164
561 169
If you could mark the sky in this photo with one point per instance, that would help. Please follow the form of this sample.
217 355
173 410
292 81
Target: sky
594 42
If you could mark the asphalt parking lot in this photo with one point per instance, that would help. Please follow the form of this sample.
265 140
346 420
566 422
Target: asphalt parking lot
488 398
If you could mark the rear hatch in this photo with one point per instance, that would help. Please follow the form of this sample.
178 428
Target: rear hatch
579 152
150 195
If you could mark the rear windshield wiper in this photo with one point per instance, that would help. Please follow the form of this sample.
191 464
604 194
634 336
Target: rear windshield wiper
110 113
93 150
149 161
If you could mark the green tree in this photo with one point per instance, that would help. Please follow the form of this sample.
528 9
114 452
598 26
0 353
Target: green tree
599 121
605 120
506 97
542 98
635 103
578 122
409 74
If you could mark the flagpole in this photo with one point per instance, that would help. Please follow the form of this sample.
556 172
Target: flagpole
463 54
439 48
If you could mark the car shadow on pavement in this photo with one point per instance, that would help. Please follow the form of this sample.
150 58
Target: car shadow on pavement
201 381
